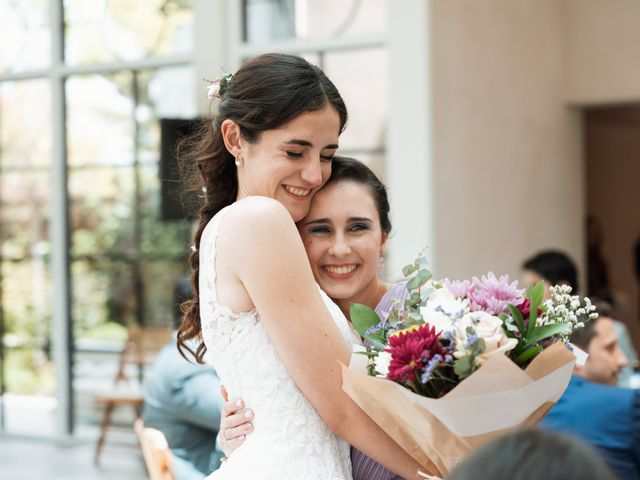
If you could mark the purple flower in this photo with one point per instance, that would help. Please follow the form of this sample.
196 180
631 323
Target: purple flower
376 328
457 288
493 295
431 366
471 340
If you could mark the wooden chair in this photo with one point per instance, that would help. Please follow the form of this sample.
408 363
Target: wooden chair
155 451
142 346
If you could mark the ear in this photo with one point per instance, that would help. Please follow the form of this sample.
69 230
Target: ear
383 241
231 136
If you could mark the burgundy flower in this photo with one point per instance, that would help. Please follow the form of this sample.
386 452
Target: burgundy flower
411 350
525 309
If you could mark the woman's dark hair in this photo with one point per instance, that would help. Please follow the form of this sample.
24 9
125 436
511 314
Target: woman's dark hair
533 455
350 169
265 93
555 267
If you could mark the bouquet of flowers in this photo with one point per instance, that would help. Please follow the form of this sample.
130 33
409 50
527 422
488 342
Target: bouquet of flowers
459 362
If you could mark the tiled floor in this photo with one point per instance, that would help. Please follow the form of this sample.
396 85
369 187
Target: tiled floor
22 459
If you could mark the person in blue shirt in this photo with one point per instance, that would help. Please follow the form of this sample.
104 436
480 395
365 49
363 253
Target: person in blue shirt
183 401
593 408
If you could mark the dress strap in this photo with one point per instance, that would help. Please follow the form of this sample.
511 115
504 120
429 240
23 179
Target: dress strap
208 255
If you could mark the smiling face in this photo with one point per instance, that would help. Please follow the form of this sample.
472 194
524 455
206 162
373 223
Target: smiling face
344 239
290 163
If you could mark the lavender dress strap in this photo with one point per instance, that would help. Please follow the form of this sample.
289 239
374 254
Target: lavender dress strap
364 467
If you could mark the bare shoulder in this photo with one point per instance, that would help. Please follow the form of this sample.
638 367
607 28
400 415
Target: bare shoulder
259 216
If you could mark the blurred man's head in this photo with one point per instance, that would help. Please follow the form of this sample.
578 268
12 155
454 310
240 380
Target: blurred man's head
599 339
554 267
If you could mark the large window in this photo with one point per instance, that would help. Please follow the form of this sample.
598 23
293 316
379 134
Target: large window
347 39
120 67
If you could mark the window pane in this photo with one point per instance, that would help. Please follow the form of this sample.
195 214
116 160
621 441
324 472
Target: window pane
104 295
160 280
25 28
102 201
29 404
100 120
160 239
267 20
24 214
168 93
361 77
28 370
109 30
25 124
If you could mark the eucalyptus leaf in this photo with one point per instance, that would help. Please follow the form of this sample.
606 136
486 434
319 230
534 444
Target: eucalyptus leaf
363 318
409 269
419 280
462 366
478 347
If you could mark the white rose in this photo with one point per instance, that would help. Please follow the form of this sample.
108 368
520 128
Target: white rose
489 328
382 362
442 309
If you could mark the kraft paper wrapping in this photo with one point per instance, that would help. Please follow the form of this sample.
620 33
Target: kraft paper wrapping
438 433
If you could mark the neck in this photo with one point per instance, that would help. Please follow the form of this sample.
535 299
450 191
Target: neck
370 297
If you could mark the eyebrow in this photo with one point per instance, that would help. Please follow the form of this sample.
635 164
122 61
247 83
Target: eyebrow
306 143
322 221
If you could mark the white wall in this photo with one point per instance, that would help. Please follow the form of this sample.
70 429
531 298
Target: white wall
507 149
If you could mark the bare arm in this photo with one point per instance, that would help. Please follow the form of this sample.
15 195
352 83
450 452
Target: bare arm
269 259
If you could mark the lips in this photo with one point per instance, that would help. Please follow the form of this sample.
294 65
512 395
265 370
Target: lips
297 191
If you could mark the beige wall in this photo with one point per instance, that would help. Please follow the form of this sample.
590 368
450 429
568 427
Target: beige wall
603 48
507 149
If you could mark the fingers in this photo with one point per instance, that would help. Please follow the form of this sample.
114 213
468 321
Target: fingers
230 445
231 407
238 424
234 430
224 393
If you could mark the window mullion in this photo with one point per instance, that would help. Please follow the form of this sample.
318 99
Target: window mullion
59 231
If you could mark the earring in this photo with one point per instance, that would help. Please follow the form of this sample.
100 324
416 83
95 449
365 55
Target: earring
381 260
238 161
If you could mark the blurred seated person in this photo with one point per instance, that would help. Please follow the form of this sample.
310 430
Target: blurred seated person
532 455
557 268
182 400
593 408
552 266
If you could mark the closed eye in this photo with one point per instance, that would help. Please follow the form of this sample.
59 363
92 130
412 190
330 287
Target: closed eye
358 227
320 230
327 158
294 154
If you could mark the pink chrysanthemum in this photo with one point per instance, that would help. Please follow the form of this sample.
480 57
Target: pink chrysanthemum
458 288
492 295
411 350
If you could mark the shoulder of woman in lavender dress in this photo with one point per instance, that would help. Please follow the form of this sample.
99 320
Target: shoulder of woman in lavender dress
396 292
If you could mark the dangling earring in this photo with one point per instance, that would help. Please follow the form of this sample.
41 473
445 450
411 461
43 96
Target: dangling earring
381 260
238 161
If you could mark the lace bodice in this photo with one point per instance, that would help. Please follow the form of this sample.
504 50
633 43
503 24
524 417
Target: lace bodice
290 440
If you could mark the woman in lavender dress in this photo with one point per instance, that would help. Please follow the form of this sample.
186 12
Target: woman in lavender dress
344 234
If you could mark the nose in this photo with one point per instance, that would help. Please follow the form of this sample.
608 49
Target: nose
312 173
340 247
623 361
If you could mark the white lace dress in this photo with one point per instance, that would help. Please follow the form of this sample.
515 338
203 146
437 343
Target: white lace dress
290 440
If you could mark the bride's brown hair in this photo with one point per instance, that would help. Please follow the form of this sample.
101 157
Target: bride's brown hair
265 93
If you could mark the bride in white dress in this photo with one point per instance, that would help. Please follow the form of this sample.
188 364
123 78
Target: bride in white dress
275 338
